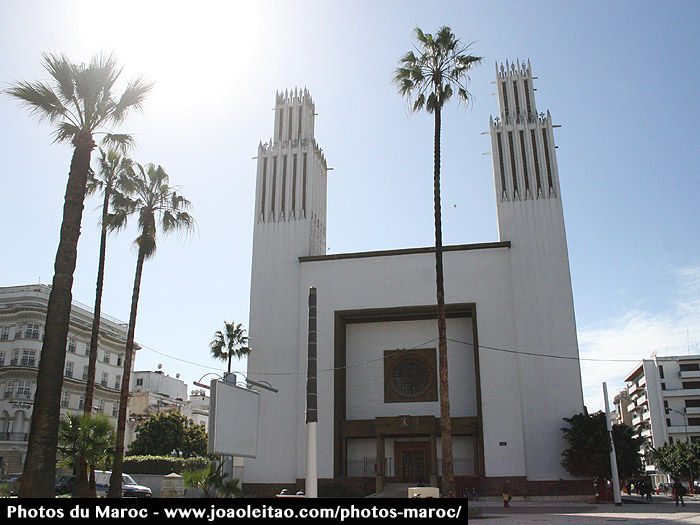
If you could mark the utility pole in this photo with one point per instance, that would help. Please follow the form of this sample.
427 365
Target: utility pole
311 402
613 459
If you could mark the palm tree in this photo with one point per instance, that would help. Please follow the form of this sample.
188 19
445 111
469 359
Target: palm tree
149 195
429 79
86 442
112 166
232 341
80 102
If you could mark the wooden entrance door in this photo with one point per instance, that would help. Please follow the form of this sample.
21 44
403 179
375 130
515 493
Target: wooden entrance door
413 460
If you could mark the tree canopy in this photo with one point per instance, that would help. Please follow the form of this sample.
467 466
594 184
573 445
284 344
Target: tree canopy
681 460
167 434
588 451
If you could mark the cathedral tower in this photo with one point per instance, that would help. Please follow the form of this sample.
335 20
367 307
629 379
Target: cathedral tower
290 222
531 218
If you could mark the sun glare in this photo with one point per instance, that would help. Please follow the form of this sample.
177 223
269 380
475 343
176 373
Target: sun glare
182 46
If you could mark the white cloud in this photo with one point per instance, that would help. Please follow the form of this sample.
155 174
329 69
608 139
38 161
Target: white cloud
622 342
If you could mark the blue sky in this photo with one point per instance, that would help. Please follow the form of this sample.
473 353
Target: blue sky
620 78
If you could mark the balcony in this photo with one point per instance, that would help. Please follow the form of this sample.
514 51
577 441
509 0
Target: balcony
690 374
633 388
645 433
641 400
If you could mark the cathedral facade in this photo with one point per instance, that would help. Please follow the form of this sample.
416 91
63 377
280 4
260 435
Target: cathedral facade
512 346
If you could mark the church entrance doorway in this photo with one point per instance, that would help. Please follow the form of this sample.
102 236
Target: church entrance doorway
413 461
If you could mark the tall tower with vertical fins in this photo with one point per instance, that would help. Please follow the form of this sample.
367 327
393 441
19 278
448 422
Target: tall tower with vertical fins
290 222
530 216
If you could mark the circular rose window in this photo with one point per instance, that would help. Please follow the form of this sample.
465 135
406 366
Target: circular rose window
410 377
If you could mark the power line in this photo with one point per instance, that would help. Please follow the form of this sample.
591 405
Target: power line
382 358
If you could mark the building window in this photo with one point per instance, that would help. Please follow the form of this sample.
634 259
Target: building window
69 369
105 379
663 386
690 367
5 333
294 183
87 348
28 357
410 375
115 409
264 187
118 382
81 403
24 389
105 357
71 345
100 406
85 372
9 389
283 208
692 403
303 183
119 360
18 331
661 371
139 381
274 187
2 358
65 398
516 192
694 421
32 331
691 384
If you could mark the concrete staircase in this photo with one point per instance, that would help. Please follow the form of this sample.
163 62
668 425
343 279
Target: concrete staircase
394 490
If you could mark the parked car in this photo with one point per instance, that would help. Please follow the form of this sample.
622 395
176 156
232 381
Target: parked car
65 484
130 489
10 483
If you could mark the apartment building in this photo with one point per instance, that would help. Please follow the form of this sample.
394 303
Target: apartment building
664 400
22 320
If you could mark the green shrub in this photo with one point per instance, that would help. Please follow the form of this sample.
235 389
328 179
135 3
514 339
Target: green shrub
162 465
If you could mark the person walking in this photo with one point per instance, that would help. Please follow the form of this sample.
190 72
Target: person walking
678 491
507 492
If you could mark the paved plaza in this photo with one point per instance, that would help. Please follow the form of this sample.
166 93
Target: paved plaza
633 511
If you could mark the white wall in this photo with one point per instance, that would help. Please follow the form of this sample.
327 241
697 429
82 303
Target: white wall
366 343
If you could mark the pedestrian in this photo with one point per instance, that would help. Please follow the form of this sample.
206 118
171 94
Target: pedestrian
507 492
678 491
647 489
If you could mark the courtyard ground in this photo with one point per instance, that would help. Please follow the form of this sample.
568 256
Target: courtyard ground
632 512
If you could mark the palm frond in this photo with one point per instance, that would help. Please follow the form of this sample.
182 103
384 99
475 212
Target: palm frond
430 76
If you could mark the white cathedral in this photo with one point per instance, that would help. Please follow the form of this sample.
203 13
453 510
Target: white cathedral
512 351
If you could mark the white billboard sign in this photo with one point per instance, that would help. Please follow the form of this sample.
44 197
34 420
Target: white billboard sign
233 420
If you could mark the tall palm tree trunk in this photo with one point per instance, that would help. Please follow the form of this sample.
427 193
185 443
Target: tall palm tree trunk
448 481
40 466
115 480
82 487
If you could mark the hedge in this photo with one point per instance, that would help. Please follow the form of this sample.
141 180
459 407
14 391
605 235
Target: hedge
162 465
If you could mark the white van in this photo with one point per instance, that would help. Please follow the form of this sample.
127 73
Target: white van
130 489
